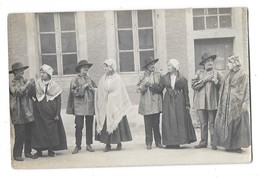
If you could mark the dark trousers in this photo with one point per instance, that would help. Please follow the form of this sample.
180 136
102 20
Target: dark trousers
151 123
79 121
207 121
22 139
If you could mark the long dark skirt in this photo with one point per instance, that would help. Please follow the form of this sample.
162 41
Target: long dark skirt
239 135
48 133
121 134
177 128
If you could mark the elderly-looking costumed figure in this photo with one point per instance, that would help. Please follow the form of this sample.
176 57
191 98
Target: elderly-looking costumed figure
232 124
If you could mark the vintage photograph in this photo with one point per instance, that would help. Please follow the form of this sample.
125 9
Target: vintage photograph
120 88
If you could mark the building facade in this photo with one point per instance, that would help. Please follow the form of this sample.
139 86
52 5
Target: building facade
62 39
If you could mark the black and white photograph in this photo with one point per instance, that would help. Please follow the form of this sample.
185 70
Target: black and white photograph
130 88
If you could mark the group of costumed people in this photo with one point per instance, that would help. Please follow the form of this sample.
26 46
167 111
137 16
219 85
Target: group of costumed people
222 105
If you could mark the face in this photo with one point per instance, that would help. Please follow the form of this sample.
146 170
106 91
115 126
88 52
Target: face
151 67
19 73
107 69
208 63
171 68
44 75
84 70
230 66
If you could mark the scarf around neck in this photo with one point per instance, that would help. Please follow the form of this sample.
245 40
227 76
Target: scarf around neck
49 89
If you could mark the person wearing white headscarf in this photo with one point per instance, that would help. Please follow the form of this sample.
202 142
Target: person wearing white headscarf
177 128
112 104
48 132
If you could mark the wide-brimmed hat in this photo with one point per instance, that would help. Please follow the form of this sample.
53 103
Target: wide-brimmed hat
207 56
148 61
16 66
82 63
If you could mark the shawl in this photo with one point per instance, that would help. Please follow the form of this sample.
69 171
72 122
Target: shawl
51 92
234 92
111 103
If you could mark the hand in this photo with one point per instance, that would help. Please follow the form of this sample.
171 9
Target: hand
208 78
147 84
214 80
85 85
188 108
57 118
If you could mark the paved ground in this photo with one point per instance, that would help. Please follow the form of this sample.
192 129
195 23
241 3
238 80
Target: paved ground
133 153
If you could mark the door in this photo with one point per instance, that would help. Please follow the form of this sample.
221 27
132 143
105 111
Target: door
222 47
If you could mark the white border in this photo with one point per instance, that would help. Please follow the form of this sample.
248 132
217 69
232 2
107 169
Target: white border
244 170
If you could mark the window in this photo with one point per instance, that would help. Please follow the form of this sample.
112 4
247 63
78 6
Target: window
135 39
212 18
57 39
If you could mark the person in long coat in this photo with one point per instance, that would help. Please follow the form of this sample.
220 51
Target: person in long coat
112 104
48 132
206 85
81 104
21 110
232 124
150 105
177 128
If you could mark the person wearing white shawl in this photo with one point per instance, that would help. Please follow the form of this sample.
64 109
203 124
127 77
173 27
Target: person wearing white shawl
112 104
48 132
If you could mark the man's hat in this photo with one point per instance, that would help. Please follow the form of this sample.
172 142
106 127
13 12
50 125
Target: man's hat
149 60
82 63
16 66
207 56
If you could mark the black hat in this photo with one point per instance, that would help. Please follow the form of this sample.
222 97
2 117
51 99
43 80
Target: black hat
82 63
207 56
149 60
16 66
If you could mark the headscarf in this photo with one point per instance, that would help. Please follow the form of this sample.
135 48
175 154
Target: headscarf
111 63
49 89
175 63
235 60
46 68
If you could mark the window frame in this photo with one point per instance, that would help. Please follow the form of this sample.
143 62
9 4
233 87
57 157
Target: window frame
206 14
136 48
58 32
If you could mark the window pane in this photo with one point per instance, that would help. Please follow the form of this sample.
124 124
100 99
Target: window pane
224 10
48 44
46 22
145 18
212 22
145 38
124 19
69 63
198 23
197 12
125 39
68 42
144 55
212 11
67 21
126 61
50 60
225 21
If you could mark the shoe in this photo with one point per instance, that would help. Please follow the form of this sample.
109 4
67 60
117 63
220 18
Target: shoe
76 149
214 148
51 153
200 146
239 150
119 146
19 158
107 148
159 146
149 147
28 155
176 147
90 149
37 155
